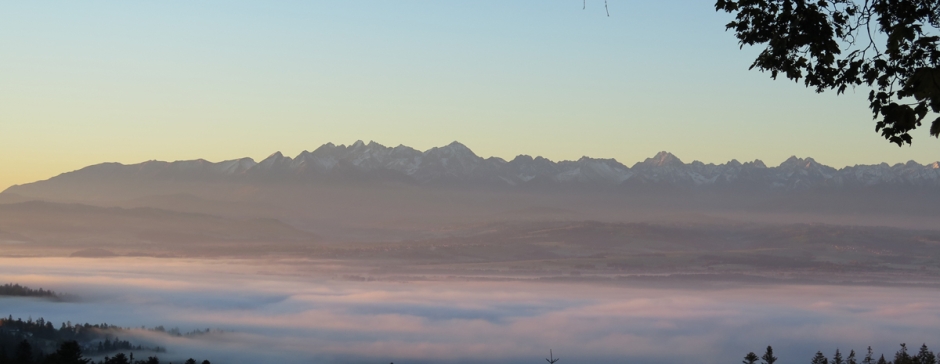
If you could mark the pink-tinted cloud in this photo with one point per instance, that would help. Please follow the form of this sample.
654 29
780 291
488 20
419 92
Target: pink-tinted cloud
299 317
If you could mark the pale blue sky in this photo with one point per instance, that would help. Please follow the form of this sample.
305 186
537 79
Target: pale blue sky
90 82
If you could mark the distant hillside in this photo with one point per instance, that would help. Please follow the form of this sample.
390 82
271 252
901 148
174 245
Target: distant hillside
36 225
653 252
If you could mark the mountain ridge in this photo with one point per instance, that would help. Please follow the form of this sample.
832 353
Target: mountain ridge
456 164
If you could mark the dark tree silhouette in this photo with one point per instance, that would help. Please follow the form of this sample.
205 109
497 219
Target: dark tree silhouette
925 356
69 353
820 358
120 358
768 357
750 358
851 358
868 358
24 353
902 357
882 360
837 358
551 358
11 289
888 45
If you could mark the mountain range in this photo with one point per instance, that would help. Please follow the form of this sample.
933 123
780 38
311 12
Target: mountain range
455 164
367 190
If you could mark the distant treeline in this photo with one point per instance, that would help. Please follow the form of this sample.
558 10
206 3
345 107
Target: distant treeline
11 289
97 338
176 331
923 356
40 342
70 352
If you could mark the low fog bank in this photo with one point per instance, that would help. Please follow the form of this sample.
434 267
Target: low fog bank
272 311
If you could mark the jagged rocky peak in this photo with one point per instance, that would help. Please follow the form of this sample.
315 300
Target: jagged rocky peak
453 150
276 156
456 147
356 150
794 162
273 160
757 163
662 159
527 159
522 158
325 148
361 147
403 147
525 167
606 162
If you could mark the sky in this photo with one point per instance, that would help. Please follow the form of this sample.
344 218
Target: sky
106 81
273 310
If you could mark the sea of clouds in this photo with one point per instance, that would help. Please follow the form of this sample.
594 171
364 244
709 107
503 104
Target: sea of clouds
296 312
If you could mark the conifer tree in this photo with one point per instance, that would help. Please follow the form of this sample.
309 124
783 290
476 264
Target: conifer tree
820 358
925 356
837 358
69 353
120 358
868 358
851 358
902 357
882 360
769 357
750 358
